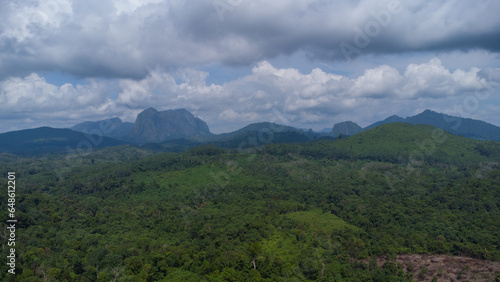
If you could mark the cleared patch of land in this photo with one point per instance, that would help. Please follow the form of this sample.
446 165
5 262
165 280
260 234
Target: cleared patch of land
447 268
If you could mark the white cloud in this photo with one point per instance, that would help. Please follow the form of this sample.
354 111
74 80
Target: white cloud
378 82
48 104
432 79
24 22
310 99
130 6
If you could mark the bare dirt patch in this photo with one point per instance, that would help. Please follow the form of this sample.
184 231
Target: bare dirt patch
447 268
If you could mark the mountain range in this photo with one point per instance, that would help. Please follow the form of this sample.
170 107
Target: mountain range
178 130
113 127
43 140
466 127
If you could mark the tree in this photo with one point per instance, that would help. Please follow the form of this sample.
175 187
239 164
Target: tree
254 249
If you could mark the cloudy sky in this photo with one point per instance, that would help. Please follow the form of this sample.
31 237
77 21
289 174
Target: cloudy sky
304 63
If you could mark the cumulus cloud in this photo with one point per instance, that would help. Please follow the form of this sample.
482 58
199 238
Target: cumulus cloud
34 93
269 93
434 80
125 39
379 82
47 104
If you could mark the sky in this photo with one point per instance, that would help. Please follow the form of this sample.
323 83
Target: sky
308 64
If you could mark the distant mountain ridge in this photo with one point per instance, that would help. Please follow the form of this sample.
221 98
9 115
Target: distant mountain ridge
113 127
257 134
466 127
43 140
152 126
262 127
398 142
178 130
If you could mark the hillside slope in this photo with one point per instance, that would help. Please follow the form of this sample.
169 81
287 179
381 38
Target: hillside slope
46 140
113 127
466 127
407 143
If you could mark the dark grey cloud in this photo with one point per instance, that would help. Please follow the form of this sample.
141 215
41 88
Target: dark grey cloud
490 74
128 38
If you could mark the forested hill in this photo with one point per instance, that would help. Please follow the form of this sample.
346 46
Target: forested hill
402 142
46 140
315 211
471 128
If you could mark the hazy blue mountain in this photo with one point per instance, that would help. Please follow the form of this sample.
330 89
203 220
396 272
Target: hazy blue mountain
346 128
326 130
154 126
390 119
465 127
178 130
265 129
113 127
45 140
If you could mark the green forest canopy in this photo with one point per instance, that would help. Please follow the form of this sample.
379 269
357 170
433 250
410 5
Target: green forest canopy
292 212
